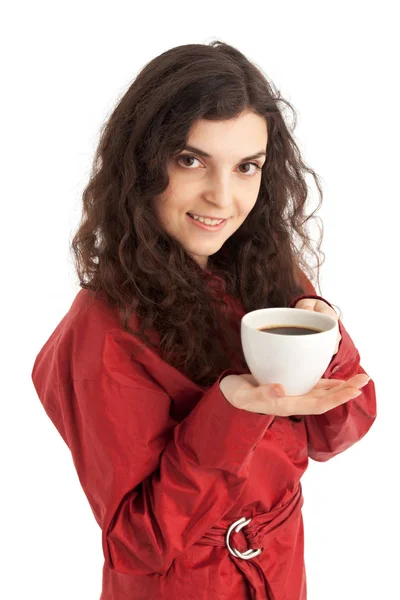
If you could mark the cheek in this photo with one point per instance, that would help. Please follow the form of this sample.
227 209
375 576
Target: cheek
169 212
161 206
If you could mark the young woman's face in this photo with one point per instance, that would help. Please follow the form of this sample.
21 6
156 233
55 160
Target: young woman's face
222 185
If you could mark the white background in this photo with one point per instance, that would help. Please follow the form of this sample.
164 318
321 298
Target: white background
64 66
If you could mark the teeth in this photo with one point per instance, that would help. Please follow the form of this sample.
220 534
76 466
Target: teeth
206 221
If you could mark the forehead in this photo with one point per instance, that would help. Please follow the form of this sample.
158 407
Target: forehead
249 130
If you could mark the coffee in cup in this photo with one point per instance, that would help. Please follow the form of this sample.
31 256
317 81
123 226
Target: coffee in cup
290 329
289 346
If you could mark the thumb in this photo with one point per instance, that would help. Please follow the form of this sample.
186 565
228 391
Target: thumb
252 399
276 390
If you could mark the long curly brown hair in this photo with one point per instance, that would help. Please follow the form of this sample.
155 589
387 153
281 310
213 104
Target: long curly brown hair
120 249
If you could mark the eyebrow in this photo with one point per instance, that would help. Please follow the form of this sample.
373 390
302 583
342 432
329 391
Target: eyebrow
206 155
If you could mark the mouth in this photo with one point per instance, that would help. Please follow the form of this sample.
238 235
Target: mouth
205 226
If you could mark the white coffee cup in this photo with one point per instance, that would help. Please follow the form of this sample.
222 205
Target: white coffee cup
296 362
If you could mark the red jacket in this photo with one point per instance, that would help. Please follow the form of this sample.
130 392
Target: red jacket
169 467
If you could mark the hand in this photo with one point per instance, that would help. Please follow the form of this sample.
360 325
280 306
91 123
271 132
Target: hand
243 392
321 307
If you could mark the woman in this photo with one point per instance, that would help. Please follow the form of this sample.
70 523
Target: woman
191 469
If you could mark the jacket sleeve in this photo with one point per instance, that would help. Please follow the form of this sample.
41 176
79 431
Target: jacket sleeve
336 430
155 486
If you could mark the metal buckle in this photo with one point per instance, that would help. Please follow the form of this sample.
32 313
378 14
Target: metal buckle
244 555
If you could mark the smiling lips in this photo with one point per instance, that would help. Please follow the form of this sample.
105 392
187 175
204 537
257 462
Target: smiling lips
207 226
207 220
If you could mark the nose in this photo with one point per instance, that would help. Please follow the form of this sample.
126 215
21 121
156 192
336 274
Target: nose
220 191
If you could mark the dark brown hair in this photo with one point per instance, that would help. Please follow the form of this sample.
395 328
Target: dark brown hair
122 252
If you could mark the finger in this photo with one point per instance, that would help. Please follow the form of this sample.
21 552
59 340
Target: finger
325 384
325 395
338 394
318 404
306 304
327 310
358 380
321 383
325 387
337 397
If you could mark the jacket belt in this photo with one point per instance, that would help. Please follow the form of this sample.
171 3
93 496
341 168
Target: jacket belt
258 532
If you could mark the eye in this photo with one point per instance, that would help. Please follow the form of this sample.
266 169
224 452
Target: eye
258 168
186 156
189 157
